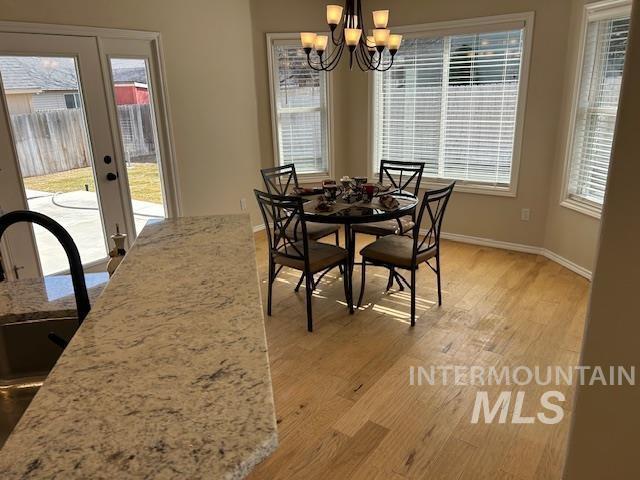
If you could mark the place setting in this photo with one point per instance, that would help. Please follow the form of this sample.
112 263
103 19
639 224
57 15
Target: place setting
354 194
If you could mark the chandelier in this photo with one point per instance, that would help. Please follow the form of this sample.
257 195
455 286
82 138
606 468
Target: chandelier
366 51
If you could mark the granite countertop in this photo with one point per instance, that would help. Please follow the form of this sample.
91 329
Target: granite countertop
48 297
168 377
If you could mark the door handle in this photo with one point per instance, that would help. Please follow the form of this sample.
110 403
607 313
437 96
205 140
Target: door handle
112 176
107 159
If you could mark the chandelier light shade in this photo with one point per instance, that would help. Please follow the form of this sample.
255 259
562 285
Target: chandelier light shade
349 33
334 14
394 42
308 39
381 18
321 43
352 36
381 37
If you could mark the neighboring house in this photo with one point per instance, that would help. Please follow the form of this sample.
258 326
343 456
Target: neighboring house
37 84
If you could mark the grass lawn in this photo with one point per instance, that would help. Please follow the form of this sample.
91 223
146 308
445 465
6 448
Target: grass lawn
144 181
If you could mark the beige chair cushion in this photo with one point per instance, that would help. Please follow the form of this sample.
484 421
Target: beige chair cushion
388 227
394 250
315 231
321 256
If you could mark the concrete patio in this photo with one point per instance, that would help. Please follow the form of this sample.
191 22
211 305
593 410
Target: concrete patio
78 212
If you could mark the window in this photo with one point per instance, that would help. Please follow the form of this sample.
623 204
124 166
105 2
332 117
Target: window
299 108
453 102
72 100
596 108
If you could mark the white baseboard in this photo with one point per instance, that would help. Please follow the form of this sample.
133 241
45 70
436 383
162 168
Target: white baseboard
487 242
516 247
574 267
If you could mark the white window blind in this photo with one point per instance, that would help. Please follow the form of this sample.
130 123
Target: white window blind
452 103
300 109
600 81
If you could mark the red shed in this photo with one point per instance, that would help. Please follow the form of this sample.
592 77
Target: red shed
131 94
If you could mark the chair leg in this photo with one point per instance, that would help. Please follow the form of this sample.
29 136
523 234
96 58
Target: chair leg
439 281
391 277
337 245
347 290
297 289
362 283
353 245
309 293
413 297
349 274
351 300
270 288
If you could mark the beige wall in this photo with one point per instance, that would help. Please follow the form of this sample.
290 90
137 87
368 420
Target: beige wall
210 75
606 430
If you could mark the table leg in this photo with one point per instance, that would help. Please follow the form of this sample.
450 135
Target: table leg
350 246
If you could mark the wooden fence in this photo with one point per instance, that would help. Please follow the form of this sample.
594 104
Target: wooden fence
137 132
56 140
50 142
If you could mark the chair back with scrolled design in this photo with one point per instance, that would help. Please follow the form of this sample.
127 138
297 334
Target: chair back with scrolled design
434 203
282 215
280 180
401 174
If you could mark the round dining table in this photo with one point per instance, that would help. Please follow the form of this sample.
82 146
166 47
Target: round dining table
348 214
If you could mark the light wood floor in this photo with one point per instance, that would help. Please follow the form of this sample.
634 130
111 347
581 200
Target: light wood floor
345 409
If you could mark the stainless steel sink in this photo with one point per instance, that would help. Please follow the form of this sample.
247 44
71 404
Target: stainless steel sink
14 400
26 357
25 350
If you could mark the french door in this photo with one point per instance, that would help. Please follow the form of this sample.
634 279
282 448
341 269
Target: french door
81 143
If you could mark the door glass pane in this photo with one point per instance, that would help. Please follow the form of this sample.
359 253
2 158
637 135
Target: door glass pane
50 134
136 121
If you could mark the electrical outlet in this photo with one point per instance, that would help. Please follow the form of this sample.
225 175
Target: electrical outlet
525 215
243 204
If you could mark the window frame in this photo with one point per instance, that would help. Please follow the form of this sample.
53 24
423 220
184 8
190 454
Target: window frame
460 27
76 100
591 12
311 177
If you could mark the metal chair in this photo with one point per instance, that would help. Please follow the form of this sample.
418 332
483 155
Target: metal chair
401 175
75 263
298 252
281 181
408 252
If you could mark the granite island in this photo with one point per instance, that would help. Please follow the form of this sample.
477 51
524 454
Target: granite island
48 297
168 377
